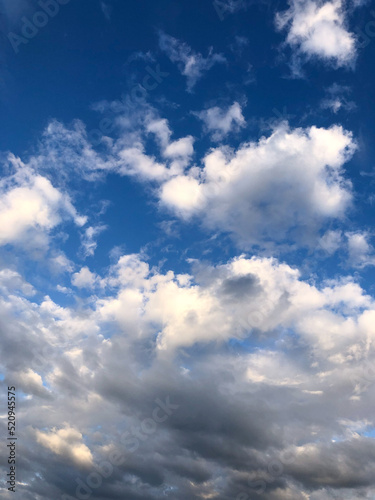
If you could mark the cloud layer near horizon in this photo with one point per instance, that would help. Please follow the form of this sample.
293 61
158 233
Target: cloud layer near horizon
110 361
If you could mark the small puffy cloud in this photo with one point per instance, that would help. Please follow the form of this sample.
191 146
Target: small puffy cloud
174 155
59 263
178 153
180 148
283 186
193 65
67 443
184 195
135 162
63 289
84 278
361 252
160 128
317 29
131 270
220 122
330 241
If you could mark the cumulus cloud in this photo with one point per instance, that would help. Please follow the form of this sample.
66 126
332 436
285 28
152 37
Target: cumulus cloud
235 190
318 29
361 252
84 278
59 263
31 383
68 152
330 241
219 122
229 190
191 64
11 280
243 296
67 443
31 207
243 379
229 427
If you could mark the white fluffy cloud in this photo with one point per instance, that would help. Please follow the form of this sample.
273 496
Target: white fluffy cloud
191 64
175 155
283 186
67 443
31 383
319 29
361 252
330 241
30 207
232 300
220 122
84 278
11 280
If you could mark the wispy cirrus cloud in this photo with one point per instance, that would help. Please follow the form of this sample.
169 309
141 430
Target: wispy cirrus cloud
337 99
191 64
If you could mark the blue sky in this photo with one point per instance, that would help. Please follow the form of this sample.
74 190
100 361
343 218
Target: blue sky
186 214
